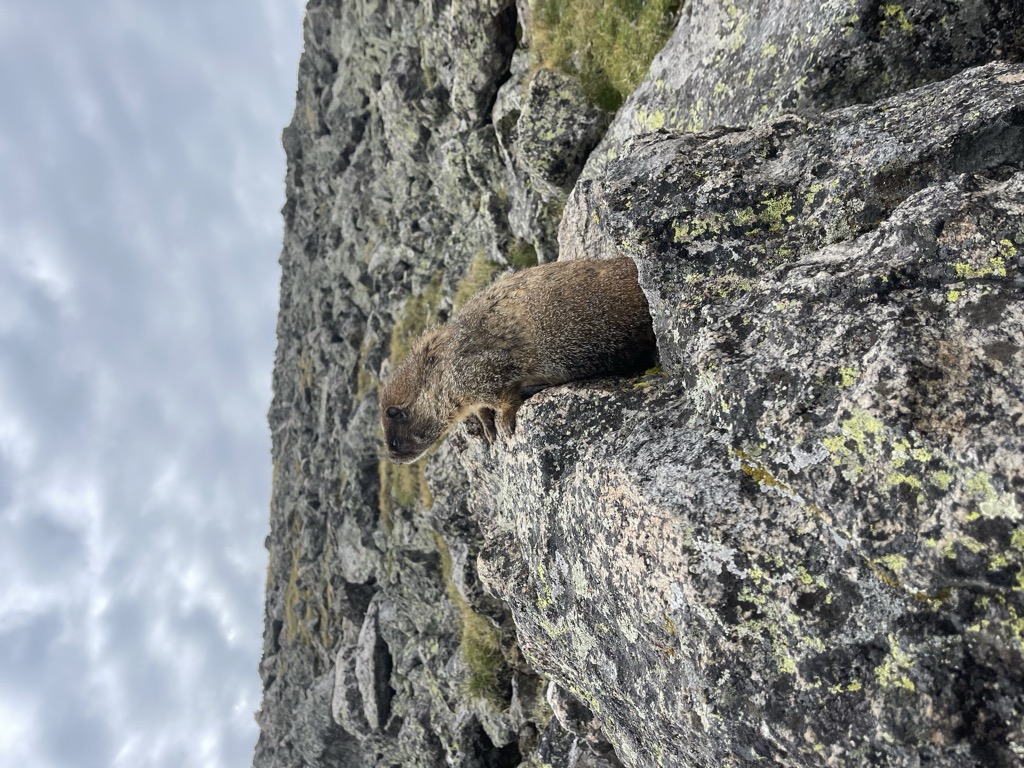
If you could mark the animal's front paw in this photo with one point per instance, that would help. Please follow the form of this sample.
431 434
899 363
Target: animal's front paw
506 422
482 424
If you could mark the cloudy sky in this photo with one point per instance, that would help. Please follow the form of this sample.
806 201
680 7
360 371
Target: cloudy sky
141 178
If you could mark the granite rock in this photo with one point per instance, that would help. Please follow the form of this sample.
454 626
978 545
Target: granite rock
743 62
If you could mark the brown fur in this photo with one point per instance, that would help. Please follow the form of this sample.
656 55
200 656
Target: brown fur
542 326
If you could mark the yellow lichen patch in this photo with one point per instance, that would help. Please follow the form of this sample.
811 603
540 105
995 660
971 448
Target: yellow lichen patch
649 377
771 620
864 442
652 121
863 430
1017 539
895 563
894 671
980 484
697 226
1006 249
812 193
744 217
941 480
998 561
894 14
866 447
775 211
848 376
901 478
544 597
994 267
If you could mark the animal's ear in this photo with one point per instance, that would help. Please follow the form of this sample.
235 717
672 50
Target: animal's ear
396 414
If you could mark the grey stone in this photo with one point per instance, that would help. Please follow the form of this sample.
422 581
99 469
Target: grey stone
801 545
373 671
545 129
746 61
557 129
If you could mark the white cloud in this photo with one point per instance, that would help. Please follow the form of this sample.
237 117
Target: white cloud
139 234
16 730
17 444
40 263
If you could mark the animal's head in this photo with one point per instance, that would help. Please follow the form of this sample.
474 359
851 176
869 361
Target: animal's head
414 410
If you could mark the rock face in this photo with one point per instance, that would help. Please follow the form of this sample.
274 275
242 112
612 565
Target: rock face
800 542
814 516
743 61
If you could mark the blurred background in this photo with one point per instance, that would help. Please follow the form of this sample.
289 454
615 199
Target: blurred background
141 178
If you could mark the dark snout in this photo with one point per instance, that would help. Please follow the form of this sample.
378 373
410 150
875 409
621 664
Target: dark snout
404 444
402 450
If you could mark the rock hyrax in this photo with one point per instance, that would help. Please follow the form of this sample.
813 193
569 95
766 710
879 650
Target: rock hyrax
542 326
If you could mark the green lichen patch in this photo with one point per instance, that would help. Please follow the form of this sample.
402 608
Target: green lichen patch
868 452
993 267
766 617
812 193
894 17
847 377
866 444
771 215
608 44
861 439
649 378
696 226
652 121
544 597
894 671
776 211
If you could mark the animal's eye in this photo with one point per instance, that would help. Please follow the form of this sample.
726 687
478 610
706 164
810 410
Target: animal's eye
395 414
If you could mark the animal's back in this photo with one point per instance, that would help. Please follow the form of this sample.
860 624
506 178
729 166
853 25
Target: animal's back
590 319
